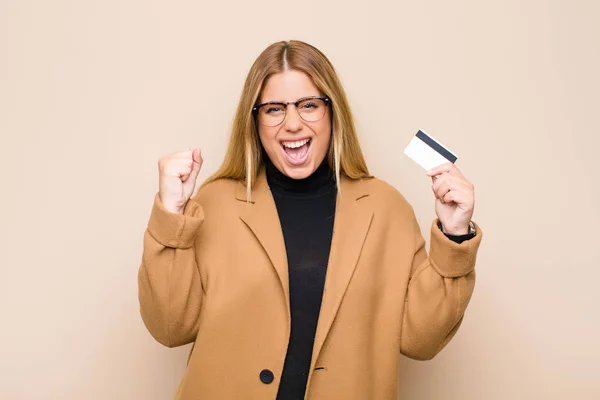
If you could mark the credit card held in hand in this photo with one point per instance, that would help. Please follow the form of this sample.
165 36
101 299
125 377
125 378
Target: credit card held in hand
428 152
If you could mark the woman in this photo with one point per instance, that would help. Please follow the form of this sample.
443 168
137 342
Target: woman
294 272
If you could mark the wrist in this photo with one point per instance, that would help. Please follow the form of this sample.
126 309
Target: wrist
457 231
169 206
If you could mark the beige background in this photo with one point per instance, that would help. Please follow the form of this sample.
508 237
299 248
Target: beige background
92 93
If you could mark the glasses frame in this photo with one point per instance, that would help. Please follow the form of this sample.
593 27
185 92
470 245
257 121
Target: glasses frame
285 105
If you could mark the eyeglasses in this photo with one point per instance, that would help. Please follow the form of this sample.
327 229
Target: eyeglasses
310 109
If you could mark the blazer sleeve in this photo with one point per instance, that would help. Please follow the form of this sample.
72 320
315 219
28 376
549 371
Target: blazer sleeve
169 287
440 287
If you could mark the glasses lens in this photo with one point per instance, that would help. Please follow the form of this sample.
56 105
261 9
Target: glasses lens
271 114
312 110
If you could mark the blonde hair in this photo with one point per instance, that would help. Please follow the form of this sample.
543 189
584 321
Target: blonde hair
243 159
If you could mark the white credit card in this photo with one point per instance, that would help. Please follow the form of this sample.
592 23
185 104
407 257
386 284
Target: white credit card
428 152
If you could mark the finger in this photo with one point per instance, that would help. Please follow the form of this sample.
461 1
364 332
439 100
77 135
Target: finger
182 167
444 180
196 164
439 188
439 169
437 181
443 192
458 187
449 168
454 182
185 175
196 159
452 196
182 154
436 194
448 183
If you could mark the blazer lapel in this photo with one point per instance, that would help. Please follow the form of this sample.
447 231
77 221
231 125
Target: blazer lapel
260 215
352 221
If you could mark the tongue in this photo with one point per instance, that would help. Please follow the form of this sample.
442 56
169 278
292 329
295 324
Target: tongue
298 152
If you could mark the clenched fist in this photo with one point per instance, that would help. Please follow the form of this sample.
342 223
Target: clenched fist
177 178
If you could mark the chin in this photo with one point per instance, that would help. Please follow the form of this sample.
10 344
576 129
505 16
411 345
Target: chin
298 172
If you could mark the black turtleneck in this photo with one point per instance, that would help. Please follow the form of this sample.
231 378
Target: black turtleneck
306 209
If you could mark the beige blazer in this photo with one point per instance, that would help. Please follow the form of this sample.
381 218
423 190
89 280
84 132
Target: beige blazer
216 276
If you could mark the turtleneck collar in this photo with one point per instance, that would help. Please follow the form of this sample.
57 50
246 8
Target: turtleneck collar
321 181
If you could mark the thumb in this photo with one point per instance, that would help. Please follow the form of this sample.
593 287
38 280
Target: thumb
196 163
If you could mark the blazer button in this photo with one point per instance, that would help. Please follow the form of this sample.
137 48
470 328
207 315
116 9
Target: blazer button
266 376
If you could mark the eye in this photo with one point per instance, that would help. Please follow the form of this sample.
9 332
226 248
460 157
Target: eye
309 105
273 109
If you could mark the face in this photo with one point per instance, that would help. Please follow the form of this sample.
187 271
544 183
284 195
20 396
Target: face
296 147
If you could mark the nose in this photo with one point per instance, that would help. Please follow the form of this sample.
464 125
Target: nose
293 121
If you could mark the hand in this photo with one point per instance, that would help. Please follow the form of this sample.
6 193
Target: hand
177 178
454 198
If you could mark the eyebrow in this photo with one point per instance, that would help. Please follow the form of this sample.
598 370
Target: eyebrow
300 98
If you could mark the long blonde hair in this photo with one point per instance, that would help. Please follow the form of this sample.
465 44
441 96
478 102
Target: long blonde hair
244 156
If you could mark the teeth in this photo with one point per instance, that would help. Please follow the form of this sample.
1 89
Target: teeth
296 144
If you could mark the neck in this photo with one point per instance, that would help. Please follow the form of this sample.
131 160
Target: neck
320 181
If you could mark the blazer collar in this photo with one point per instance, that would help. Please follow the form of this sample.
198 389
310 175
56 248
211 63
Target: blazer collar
354 189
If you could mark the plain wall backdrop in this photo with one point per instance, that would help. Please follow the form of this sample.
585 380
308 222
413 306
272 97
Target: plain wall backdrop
92 93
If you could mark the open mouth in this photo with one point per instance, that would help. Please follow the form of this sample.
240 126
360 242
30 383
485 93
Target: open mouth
296 151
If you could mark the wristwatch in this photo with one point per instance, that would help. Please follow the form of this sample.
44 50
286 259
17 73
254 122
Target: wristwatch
472 232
